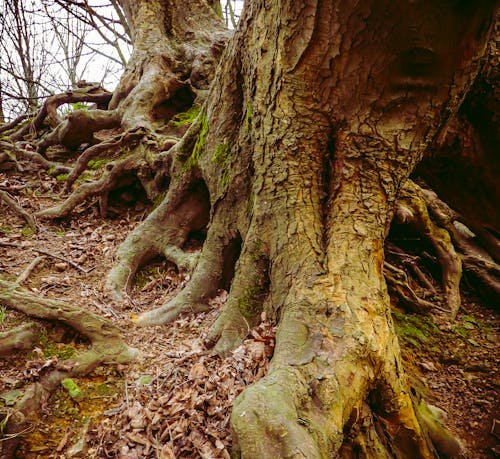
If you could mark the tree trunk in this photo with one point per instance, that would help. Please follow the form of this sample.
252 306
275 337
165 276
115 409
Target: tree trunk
336 103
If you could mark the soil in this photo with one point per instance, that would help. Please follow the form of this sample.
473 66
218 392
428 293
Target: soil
175 399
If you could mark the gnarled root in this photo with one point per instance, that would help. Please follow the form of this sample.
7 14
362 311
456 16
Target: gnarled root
11 153
87 93
11 202
128 139
243 307
202 286
411 209
476 248
314 401
184 209
79 127
104 336
99 188
19 338
106 347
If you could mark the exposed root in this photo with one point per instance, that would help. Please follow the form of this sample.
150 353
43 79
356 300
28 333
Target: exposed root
79 127
98 188
184 209
446 444
244 305
203 285
19 338
88 93
10 154
268 421
104 336
10 126
478 263
26 273
398 280
128 139
411 208
11 202
106 347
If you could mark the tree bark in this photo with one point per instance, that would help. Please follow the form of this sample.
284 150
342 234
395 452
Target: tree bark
335 109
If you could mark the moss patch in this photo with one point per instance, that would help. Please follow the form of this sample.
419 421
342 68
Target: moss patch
415 329
95 164
187 117
198 146
222 157
248 118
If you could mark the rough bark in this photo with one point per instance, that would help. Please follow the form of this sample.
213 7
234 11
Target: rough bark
335 112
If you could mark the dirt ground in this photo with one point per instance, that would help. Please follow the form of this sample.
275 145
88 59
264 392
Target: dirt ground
175 399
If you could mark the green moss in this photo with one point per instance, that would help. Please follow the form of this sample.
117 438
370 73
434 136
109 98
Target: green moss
198 146
222 157
6 229
73 390
61 177
62 351
187 117
51 170
27 232
3 314
415 329
158 200
95 164
247 304
105 390
248 118
222 154
145 275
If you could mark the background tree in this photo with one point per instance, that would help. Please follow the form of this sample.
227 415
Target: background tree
295 165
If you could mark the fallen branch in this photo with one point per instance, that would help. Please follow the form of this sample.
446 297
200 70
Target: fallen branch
26 273
60 257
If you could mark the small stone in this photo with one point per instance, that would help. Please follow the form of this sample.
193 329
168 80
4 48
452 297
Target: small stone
429 366
61 267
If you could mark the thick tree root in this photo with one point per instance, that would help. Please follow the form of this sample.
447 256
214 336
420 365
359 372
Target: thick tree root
11 153
79 127
164 232
128 139
411 208
203 285
98 188
244 305
478 264
104 336
106 347
19 338
88 93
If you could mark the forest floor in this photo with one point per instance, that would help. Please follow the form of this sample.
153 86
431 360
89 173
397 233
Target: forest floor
175 399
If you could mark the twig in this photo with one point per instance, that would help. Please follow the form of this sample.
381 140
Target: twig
26 273
11 244
11 202
59 257
105 309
